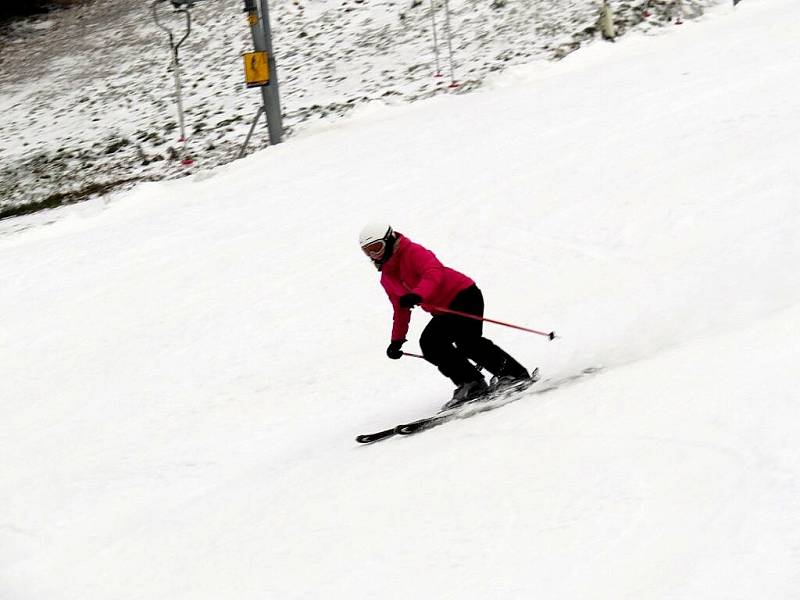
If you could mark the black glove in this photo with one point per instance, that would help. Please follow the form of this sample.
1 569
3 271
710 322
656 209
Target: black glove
410 300
393 351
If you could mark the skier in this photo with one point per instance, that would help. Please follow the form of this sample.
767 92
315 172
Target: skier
412 276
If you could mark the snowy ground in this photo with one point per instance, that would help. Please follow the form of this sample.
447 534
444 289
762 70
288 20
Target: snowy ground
86 97
185 365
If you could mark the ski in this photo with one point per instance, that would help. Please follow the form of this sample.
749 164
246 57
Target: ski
488 402
485 403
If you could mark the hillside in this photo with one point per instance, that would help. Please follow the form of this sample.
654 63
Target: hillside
86 96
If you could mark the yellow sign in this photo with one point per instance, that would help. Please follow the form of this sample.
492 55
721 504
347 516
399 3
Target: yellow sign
252 19
256 68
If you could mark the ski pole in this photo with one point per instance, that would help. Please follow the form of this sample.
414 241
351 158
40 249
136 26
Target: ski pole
551 335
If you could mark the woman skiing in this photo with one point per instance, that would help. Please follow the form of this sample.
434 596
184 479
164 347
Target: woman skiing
411 276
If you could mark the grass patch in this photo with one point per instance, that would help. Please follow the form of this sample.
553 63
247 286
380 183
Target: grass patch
63 198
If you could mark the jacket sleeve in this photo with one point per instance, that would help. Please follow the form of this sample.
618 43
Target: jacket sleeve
400 321
401 317
430 269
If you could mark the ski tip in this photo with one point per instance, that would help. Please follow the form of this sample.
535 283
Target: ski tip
369 438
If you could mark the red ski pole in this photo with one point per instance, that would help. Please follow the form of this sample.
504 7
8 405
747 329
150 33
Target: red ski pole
551 335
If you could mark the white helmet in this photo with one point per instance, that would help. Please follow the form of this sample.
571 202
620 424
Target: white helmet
377 241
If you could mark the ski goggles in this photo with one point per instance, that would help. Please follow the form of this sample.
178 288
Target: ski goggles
374 249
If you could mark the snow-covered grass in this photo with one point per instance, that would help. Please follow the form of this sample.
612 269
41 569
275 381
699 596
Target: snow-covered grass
185 365
87 98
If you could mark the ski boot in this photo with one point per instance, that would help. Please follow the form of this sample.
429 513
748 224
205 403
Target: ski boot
466 392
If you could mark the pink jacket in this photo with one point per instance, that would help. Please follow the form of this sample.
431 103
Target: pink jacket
413 268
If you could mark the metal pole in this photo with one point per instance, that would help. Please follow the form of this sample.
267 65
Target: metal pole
272 98
250 133
435 42
177 68
453 82
262 42
176 72
178 92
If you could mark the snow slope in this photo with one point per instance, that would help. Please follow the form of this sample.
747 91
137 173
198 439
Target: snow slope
185 365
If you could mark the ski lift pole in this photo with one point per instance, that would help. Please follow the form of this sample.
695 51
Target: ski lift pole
435 41
179 7
261 70
453 82
273 106
679 19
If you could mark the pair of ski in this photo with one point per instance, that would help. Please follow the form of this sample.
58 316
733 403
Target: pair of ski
489 401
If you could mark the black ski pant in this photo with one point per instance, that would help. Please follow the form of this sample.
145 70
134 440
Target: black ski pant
449 341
